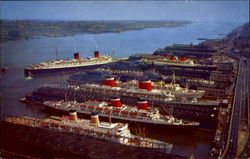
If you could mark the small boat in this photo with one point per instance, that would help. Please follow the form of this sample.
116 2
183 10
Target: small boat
4 69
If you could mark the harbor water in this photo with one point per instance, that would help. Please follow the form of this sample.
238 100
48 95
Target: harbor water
17 55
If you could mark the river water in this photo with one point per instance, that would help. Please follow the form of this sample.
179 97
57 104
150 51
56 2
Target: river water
19 54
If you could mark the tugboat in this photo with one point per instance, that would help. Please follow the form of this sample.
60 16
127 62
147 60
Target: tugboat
68 64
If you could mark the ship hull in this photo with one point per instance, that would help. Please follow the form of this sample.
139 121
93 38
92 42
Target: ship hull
30 72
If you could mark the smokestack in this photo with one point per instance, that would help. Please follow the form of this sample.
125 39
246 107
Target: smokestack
95 118
109 82
96 54
183 58
145 85
76 55
172 57
73 115
115 102
165 55
142 104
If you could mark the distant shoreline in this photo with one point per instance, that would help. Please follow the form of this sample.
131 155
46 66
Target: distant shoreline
26 29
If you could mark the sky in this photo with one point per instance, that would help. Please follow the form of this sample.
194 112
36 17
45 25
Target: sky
237 11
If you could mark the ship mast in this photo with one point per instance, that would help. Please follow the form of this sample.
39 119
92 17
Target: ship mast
65 98
173 79
113 54
171 110
187 86
110 112
57 56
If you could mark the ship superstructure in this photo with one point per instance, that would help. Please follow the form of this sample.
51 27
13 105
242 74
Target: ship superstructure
114 109
144 89
173 88
68 64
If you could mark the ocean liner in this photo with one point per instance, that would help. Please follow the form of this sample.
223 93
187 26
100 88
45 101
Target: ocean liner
114 132
146 88
68 64
125 113
174 61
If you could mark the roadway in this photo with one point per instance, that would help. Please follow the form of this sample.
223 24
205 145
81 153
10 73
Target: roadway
241 87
